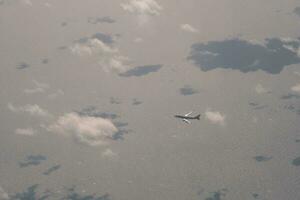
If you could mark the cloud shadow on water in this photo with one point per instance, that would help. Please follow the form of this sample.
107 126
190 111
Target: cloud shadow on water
92 111
262 158
271 56
296 161
52 169
23 65
141 70
30 194
187 90
32 160
97 20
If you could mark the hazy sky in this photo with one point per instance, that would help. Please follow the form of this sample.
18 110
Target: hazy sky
89 90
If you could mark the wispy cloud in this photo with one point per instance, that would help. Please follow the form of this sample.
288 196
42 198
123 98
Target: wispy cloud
38 88
88 130
108 153
215 117
25 131
188 28
34 110
296 88
142 7
3 194
259 89
100 45
56 94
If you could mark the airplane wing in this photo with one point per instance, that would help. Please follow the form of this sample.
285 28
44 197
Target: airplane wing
188 114
186 121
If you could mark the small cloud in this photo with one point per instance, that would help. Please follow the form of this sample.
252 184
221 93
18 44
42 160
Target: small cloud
33 160
88 130
38 88
109 153
262 158
259 89
27 2
25 131
141 70
138 40
100 45
187 90
23 65
34 110
296 162
188 28
52 169
142 7
56 94
296 88
97 20
215 117
3 194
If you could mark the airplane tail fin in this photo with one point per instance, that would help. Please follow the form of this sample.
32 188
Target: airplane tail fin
198 117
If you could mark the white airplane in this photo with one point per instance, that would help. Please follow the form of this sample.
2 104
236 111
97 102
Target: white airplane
187 117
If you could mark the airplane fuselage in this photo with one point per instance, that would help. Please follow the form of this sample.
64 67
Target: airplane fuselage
185 117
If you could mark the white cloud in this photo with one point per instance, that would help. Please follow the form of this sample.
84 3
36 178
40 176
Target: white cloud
259 89
38 88
215 117
89 130
59 92
109 153
109 57
188 28
138 40
27 2
3 194
142 7
25 132
296 88
34 110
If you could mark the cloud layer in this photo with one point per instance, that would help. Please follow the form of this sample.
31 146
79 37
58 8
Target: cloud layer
246 56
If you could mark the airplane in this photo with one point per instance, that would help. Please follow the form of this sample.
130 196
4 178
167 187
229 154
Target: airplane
187 116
